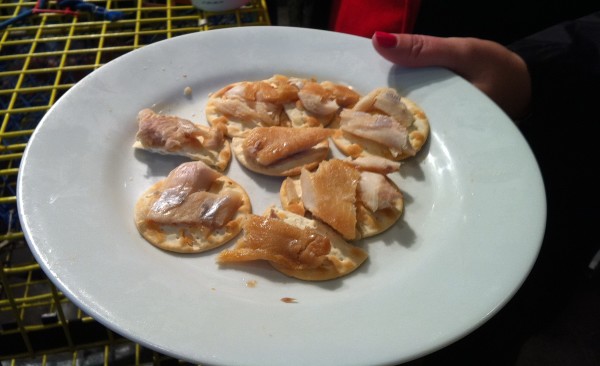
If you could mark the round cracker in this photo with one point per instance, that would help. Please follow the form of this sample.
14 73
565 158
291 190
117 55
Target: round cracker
343 258
355 146
293 113
372 223
290 196
217 119
189 238
368 223
236 127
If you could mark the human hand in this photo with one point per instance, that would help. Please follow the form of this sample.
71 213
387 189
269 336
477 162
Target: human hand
491 67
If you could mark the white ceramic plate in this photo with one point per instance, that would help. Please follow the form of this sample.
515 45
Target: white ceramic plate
475 212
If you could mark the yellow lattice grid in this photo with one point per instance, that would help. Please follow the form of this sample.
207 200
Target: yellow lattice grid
46 54
41 57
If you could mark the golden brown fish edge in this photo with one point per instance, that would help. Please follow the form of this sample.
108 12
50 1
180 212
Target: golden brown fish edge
343 258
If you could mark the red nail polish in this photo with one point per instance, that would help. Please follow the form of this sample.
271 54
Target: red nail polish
386 40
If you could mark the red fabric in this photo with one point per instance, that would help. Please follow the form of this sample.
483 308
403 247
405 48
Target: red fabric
365 17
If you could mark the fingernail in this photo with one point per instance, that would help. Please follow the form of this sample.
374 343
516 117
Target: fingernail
386 40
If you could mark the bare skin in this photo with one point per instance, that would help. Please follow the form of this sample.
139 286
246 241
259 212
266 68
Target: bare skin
495 70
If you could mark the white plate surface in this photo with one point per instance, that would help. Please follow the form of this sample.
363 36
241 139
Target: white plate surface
474 220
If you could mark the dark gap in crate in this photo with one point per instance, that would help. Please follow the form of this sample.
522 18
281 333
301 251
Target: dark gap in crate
168 361
48 338
38 62
8 324
78 59
16 281
82 51
32 311
38 284
8 81
8 162
153 23
161 3
15 288
39 78
60 358
83 44
185 23
73 76
83 17
250 17
118 40
18 54
152 13
91 33
185 12
221 19
62 91
18 33
146 355
41 59
7 11
38 275
147 39
22 121
87 332
8 185
9 219
39 98
7 318
111 55
12 344
123 4
7 181
16 254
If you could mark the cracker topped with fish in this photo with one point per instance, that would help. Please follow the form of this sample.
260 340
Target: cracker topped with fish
319 103
294 245
277 101
382 123
173 135
356 203
194 209
282 151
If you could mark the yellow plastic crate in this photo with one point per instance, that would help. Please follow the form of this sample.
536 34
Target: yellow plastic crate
41 57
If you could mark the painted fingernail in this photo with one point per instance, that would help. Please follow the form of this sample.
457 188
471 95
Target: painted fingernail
386 40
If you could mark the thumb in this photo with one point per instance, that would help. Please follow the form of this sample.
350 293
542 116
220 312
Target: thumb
415 50
489 66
